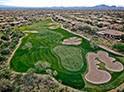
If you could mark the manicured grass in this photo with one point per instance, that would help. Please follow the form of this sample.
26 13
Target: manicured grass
71 57
39 47
41 43
68 61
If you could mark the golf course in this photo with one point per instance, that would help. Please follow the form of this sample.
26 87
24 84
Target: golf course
42 51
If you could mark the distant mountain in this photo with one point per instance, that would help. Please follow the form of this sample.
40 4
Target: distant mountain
106 7
98 7
4 7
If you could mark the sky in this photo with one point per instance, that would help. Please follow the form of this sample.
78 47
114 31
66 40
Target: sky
65 3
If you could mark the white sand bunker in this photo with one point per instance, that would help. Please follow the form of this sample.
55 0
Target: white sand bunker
95 75
111 63
72 41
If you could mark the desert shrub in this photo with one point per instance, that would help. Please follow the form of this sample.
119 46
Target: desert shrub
88 29
100 24
5 86
17 34
5 73
38 66
85 28
7 30
122 38
122 28
55 73
5 37
12 45
94 30
15 40
2 58
49 71
0 41
5 51
5 44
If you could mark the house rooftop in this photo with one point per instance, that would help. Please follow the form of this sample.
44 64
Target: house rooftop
111 32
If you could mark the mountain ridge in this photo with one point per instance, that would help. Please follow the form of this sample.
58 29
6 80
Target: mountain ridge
97 7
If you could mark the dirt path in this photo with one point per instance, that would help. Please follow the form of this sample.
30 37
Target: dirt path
81 35
103 47
75 33
17 46
30 31
72 31
112 51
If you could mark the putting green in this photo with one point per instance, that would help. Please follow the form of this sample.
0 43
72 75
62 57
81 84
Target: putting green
71 57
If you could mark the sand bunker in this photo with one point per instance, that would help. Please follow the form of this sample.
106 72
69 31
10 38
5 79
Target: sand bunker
72 41
53 25
110 63
95 75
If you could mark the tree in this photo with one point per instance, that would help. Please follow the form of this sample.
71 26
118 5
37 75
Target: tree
94 30
2 58
5 73
122 38
122 28
5 37
0 41
5 44
55 73
5 51
5 86
85 28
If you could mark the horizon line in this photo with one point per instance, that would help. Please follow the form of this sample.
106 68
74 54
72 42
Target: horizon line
62 6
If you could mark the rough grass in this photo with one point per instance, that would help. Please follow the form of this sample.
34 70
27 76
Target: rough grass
71 57
119 47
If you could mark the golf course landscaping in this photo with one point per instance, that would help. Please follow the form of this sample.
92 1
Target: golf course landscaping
49 49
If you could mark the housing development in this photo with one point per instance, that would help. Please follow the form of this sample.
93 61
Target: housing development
61 50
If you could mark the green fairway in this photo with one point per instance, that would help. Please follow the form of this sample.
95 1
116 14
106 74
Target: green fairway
43 51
